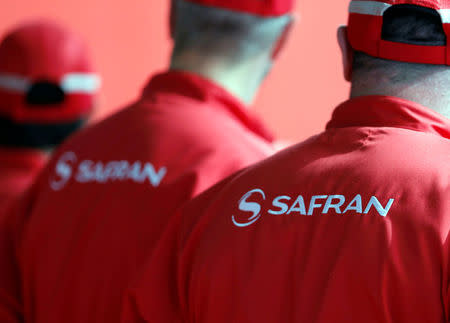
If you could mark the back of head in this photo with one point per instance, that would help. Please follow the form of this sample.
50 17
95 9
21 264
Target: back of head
231 42
398 48
48 86
406 24
234 36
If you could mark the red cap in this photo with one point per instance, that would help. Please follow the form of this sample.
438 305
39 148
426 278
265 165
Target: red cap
43 51
365 29
266 8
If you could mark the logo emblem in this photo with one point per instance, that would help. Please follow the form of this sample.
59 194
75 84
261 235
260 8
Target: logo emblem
252 207
63 171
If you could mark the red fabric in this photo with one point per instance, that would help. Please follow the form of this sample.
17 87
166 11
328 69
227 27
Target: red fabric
433 4
300 237
365 31
42 50
99 207
256 7
18 168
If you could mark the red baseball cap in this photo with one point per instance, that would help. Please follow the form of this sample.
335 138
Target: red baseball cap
266 8
365 32
42 52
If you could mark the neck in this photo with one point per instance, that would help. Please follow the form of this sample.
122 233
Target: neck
434 96
242 80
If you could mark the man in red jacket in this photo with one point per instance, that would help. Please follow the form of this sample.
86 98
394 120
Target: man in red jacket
351 225
95 213
47 91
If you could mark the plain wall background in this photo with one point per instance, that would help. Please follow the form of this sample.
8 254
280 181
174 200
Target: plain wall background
129 41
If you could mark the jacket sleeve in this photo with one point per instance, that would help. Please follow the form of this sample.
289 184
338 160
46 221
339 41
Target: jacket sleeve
161 292
445 230
10 304
154 296
11 226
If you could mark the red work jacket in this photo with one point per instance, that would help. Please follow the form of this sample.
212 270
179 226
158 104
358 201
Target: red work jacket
101 204
18 168
351 225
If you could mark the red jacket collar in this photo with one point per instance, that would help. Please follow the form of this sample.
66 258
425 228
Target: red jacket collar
385 111
202 89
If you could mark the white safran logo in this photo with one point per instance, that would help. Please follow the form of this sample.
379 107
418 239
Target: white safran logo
63 171
252 207
318 204
88 171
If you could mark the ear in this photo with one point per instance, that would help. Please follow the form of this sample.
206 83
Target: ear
347 52
282 39
172 18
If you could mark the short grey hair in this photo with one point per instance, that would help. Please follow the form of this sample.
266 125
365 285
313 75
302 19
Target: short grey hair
393 71
224 33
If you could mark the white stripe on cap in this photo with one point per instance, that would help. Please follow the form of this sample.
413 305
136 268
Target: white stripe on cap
445 15
81 83
71 83
373 8
14 83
